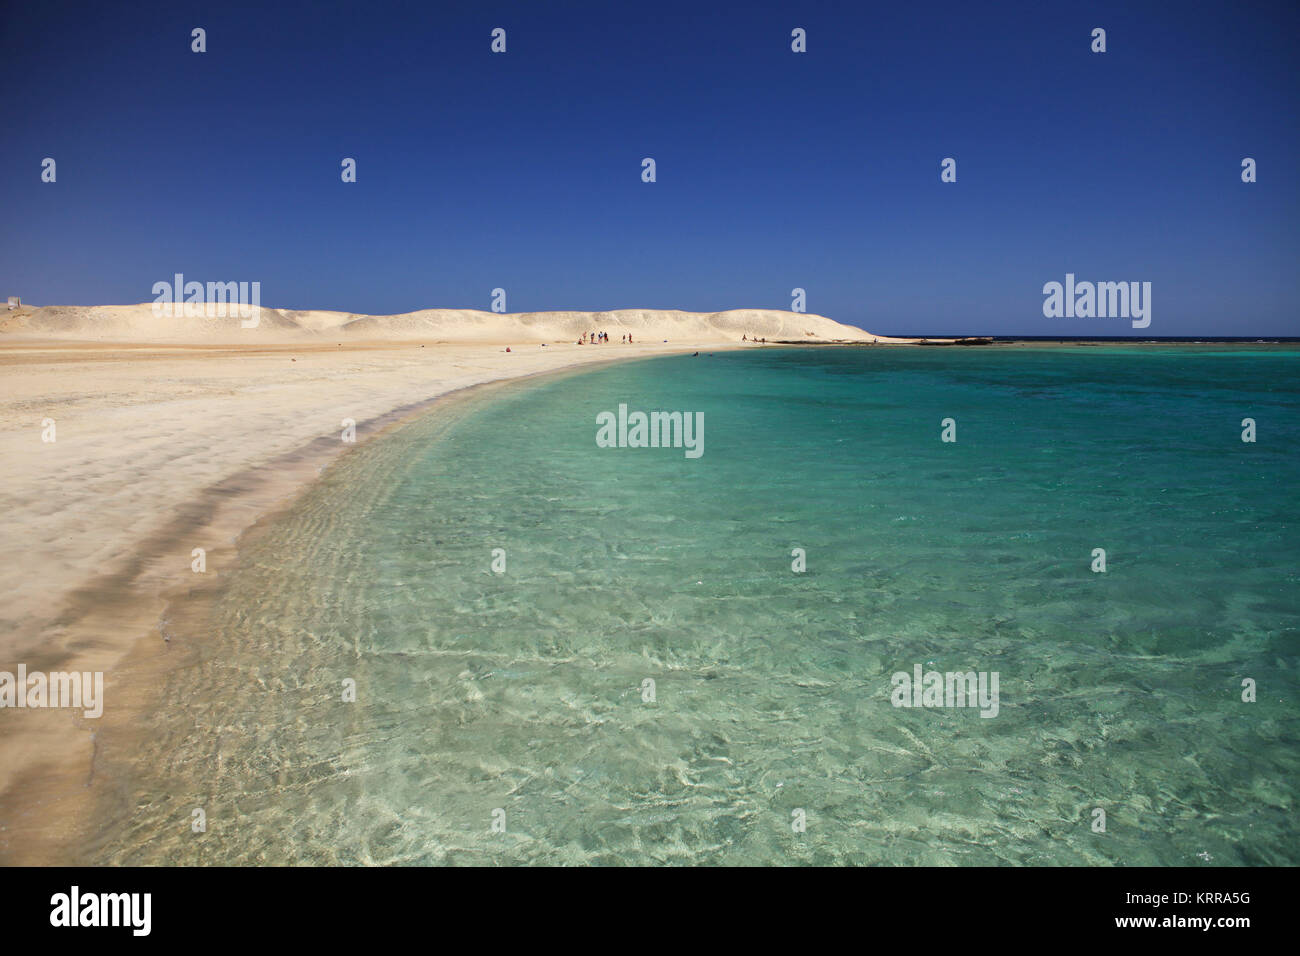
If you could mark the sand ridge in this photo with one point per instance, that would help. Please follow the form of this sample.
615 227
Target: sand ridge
144 323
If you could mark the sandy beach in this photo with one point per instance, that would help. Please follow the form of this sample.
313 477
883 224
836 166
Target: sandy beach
440 437
164 447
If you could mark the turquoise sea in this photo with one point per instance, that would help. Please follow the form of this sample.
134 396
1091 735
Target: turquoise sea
505 718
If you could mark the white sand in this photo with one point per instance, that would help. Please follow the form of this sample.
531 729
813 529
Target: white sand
140 323
164 448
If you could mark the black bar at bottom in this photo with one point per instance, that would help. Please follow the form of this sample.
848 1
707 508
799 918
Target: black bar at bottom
330 907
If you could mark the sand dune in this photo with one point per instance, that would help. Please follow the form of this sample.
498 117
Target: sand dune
139 323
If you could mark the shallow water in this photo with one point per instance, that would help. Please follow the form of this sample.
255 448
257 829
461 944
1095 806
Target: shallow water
523 691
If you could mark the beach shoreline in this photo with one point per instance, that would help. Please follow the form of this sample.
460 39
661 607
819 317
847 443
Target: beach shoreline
178 734
103 600
161 449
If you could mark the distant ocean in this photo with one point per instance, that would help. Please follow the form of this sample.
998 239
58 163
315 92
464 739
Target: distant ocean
507 715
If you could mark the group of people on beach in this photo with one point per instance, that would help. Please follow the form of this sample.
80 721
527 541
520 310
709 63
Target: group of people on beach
746 338
600 338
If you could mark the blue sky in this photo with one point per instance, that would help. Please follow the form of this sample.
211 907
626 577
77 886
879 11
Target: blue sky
775 170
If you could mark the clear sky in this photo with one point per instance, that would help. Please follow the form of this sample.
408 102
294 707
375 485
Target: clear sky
775 170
